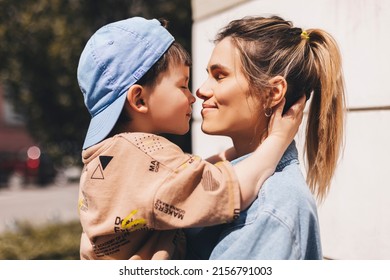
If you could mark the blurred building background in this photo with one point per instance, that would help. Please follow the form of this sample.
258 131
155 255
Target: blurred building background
15 140
354 218
22 161
13 133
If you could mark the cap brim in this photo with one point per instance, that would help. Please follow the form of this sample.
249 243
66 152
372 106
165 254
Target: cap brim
101 124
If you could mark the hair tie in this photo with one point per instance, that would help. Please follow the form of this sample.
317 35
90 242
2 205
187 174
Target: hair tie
304 35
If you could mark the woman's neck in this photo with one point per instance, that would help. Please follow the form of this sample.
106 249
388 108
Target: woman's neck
245 145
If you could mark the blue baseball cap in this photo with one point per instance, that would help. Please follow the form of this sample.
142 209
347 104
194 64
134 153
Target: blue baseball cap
114 58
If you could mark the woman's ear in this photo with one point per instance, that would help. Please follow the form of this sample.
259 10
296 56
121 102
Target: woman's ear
278 90
136 98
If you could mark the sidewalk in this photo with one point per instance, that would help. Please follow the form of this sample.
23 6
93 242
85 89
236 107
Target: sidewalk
38 205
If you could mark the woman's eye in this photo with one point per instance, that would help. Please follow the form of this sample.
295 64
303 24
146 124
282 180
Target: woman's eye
219 76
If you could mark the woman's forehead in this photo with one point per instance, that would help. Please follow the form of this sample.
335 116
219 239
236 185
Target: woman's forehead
224 55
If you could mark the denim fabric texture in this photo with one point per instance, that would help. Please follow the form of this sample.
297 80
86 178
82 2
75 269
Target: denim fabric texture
281 224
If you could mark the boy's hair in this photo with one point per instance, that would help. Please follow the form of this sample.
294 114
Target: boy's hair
175 55
117 56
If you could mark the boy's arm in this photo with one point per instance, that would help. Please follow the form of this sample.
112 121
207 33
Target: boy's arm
266 157
228 155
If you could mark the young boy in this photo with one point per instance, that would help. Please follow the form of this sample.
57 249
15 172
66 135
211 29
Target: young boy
137 189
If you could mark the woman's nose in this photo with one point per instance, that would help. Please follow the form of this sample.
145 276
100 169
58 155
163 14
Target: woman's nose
204 92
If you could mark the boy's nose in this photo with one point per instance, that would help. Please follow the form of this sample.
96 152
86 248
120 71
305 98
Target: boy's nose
192 99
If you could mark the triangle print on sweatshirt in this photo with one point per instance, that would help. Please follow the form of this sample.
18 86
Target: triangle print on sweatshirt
104 161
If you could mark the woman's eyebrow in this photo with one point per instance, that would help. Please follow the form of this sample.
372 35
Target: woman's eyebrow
216 66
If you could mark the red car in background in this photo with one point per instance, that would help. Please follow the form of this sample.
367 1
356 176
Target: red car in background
32 165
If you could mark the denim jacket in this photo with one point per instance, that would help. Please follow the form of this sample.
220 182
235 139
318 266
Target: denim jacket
281 223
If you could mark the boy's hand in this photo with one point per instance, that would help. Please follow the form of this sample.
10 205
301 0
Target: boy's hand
287 125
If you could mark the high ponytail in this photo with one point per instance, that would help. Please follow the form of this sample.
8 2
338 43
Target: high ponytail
324 131
310 62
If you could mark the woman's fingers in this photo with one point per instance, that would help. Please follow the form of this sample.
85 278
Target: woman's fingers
279 109
297 108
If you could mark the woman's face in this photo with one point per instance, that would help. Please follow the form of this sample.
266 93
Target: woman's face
227 108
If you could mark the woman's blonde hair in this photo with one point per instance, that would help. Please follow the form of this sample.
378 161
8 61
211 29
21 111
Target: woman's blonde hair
310 62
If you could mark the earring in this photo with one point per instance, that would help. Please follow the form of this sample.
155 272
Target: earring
268 112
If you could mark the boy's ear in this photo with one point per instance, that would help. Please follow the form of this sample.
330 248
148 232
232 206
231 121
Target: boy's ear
135 98
278 90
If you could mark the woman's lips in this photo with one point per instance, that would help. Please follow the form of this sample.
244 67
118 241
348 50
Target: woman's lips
207 108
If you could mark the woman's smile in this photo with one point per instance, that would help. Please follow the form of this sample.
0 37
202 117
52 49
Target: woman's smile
207 108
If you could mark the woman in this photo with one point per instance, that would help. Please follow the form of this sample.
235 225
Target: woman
256 63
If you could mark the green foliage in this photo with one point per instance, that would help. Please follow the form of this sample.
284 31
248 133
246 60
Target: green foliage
41 41
51 242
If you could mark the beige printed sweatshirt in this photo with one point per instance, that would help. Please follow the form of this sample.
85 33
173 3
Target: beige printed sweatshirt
137 191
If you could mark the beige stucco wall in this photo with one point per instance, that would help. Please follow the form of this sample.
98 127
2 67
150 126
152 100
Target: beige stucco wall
354 219
202 9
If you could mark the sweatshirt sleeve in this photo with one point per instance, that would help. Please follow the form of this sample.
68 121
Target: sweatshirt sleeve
142 182
187 190
197 193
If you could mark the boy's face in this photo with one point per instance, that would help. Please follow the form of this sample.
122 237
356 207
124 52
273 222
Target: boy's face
170 101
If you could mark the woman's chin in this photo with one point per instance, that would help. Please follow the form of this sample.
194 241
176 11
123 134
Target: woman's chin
210 131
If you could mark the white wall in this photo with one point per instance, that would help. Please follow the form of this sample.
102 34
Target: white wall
354 219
